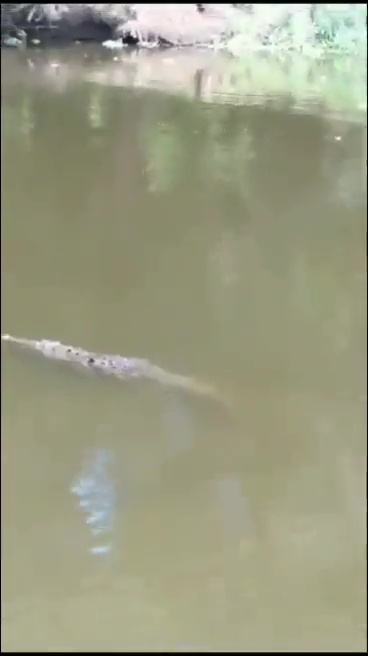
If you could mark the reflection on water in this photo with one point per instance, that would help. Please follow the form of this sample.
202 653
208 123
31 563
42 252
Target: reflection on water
178 427
234 511
222 242
95 489
100 496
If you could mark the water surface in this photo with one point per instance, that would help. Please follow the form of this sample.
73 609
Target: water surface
226 242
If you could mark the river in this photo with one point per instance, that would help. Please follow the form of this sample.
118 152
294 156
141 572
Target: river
221 240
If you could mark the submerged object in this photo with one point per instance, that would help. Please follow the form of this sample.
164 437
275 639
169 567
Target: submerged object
124 368
114 44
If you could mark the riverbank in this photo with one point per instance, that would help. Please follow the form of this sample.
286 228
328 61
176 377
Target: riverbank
141 25
232 27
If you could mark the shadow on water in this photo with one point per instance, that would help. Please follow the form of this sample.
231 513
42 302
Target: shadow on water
220 242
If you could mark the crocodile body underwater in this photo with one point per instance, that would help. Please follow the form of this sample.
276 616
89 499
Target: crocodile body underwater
124 368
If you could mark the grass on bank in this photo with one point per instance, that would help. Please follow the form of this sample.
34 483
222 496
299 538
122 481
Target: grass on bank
309 52
313 29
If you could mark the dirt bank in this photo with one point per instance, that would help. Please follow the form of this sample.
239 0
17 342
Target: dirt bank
142 24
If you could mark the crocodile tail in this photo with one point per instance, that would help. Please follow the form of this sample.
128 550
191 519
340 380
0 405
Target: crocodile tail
19 340
198 388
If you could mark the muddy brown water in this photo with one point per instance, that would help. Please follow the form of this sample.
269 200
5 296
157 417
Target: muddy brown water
226 242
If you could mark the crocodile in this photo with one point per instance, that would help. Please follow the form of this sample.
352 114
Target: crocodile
124 368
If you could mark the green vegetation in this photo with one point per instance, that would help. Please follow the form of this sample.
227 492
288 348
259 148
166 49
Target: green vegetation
310 52
312 29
